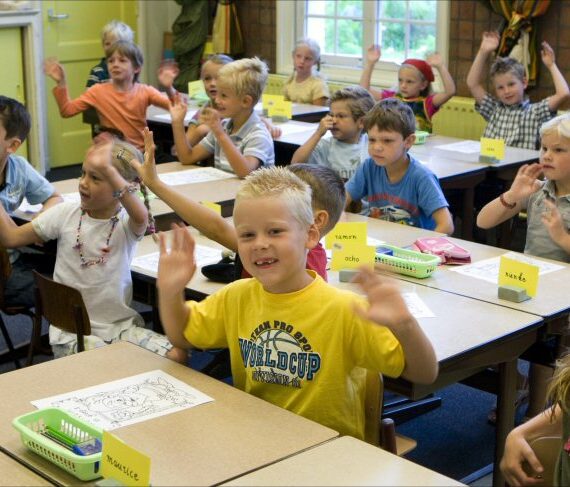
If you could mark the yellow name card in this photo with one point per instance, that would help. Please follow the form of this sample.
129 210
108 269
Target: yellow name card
281 109
493 148
351 256
269 100
196 88
515 273
123 463
213 206
346 232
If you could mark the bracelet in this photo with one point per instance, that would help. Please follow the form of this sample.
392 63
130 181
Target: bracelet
510 206
129 188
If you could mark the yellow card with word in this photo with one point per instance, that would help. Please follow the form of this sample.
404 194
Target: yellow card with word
123 463
347 232
352 255
515 273
213 206
196 88
281 109
269 100
493 148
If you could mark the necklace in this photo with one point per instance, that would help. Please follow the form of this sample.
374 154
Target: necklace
104 251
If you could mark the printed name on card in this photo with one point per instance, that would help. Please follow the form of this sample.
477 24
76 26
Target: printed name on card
516 273
123 463
352 256
196 88
493 148
347 232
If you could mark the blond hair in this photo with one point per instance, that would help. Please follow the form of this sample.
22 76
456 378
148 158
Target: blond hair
278 182
245 77
559 387
119 30
559 125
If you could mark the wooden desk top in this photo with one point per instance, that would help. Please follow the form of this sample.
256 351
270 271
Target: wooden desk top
15 474
344 461
203 445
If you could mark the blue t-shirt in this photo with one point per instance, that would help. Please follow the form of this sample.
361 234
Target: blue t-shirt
410 201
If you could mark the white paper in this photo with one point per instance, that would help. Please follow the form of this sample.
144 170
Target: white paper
465 146
167 118
127 401
203 255
191 176
417 307
26 207
488 269
71 197
293 128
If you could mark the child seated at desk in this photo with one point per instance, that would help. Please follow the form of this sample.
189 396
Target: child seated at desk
294 340
121 103
96 243
348 146
18 179
511 116
241 143
397 186
547 204
327 196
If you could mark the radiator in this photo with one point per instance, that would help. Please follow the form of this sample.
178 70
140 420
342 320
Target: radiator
458 118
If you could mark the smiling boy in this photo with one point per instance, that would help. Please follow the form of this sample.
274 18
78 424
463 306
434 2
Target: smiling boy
294 340
511 116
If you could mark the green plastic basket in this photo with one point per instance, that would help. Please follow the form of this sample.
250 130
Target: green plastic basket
421 137
409 262
29 425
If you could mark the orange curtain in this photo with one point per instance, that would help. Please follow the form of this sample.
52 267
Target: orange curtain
226 33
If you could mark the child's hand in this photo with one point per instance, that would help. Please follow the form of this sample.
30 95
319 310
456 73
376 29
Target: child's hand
525 182
275 131
325 124
490 41
547 54
99 155
147 170
177 266
54 70
178 109
167 73
387 307
553 222
517 452
211 117
435 60
373 54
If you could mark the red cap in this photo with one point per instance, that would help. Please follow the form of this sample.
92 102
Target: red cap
422 67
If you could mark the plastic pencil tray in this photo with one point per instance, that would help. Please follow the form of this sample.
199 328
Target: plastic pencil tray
409 262
29 425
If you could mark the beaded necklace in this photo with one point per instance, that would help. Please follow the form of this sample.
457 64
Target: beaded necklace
104 251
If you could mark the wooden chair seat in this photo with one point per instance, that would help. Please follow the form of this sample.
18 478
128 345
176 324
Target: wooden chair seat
547 449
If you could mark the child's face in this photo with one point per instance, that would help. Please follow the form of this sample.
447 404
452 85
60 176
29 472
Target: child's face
95 191
8 145
345 128
303 60
228 103
209 77
121 68
555 158
410 82
388 147
109 40
272 244
509 88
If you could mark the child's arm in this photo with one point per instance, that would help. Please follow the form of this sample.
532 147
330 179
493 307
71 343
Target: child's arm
518 450
501 208
193 213
53 200
322 101
241 164
67 107
187 153
489 43
388 308
55 71
443 221
303 153
167 73
556 226
13 236
561 90
195 133
372 57
436 61
175 268
274 130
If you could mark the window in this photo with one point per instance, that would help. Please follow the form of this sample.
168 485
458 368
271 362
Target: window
345 28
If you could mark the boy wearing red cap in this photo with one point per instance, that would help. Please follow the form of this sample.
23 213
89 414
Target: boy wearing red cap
414 85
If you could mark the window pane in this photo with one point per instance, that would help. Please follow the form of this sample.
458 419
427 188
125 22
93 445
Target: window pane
316 30
422 40
393 41
423 10
349 37
392 9
320 7
349 8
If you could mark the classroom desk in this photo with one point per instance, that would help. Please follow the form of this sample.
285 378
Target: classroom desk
13 473
203 445
344 461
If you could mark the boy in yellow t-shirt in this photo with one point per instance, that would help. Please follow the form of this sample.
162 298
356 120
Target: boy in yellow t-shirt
294 340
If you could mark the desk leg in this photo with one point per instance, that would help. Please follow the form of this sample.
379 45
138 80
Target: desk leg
468 203
505 414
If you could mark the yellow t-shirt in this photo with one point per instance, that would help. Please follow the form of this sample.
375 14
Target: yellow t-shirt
311 89
304 351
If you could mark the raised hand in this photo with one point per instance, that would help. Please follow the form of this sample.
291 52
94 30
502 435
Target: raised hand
147 170
211 117
99 155
525 182
177 265
547 54
167 73
178 109
54 70
490 41
373 54
325 124
553 222
435 60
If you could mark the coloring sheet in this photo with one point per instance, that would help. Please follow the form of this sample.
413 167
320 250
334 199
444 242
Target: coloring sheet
417 307
488 269
465 146
128 401
203 255
191 176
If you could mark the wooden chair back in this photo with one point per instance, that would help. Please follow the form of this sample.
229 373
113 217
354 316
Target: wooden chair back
62 306
547 450
5 271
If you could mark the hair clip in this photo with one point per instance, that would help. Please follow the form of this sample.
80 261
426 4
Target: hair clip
121 156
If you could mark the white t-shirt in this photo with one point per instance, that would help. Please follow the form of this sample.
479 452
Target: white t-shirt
342 157
106 288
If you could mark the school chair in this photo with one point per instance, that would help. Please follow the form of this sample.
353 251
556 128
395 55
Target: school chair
379 432
61 305
547 450
5 271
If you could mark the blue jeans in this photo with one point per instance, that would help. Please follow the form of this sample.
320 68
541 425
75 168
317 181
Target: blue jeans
19 288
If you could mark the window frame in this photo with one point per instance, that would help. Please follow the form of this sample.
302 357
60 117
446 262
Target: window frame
292 13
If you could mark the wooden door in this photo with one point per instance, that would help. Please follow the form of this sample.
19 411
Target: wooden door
72 33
